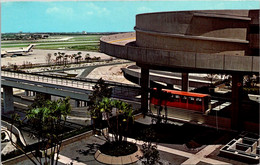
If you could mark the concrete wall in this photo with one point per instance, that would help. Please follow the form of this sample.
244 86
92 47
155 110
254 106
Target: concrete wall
8 99
181 59
191 43
218 32
215 23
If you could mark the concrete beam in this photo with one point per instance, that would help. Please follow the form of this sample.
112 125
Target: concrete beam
144 89
236 100
76 103
185 82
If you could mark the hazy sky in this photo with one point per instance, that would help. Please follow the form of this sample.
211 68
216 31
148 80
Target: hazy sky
95 16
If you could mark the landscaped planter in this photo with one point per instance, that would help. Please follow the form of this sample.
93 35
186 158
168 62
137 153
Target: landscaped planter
127 159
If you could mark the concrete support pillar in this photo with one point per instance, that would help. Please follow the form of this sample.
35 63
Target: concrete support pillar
185 81
29 93
32 93
237 89
144 89
26 93
77 103
8 99
81 103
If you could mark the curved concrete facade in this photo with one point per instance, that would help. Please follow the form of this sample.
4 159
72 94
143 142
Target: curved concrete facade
217 41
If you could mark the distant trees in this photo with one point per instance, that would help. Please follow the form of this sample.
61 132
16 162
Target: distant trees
87 57
66 58
63 58
78 57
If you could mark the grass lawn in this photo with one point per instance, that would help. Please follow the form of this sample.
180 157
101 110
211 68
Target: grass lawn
77 42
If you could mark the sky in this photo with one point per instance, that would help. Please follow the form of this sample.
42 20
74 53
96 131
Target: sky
95 16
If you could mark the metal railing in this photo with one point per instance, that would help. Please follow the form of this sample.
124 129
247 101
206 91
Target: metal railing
118 89
49 80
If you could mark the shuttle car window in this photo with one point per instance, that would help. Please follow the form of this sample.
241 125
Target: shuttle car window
176 98
183 99
190 100
199 101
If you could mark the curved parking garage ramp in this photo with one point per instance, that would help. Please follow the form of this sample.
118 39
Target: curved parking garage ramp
216 40
209 41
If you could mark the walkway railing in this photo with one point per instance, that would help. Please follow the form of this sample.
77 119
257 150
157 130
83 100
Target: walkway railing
119 90
48 79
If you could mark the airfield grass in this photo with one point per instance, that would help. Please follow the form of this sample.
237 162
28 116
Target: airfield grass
48 42
85 42
90 47
89 37
12 46
94 48
67 43
85 47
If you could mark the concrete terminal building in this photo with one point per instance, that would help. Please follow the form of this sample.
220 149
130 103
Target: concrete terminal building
210 41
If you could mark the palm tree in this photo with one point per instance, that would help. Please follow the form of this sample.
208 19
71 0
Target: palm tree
74 56
55 54
62 55
123 116
47 121
79 55
58 58
119 125
87 57
71 57
66 58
